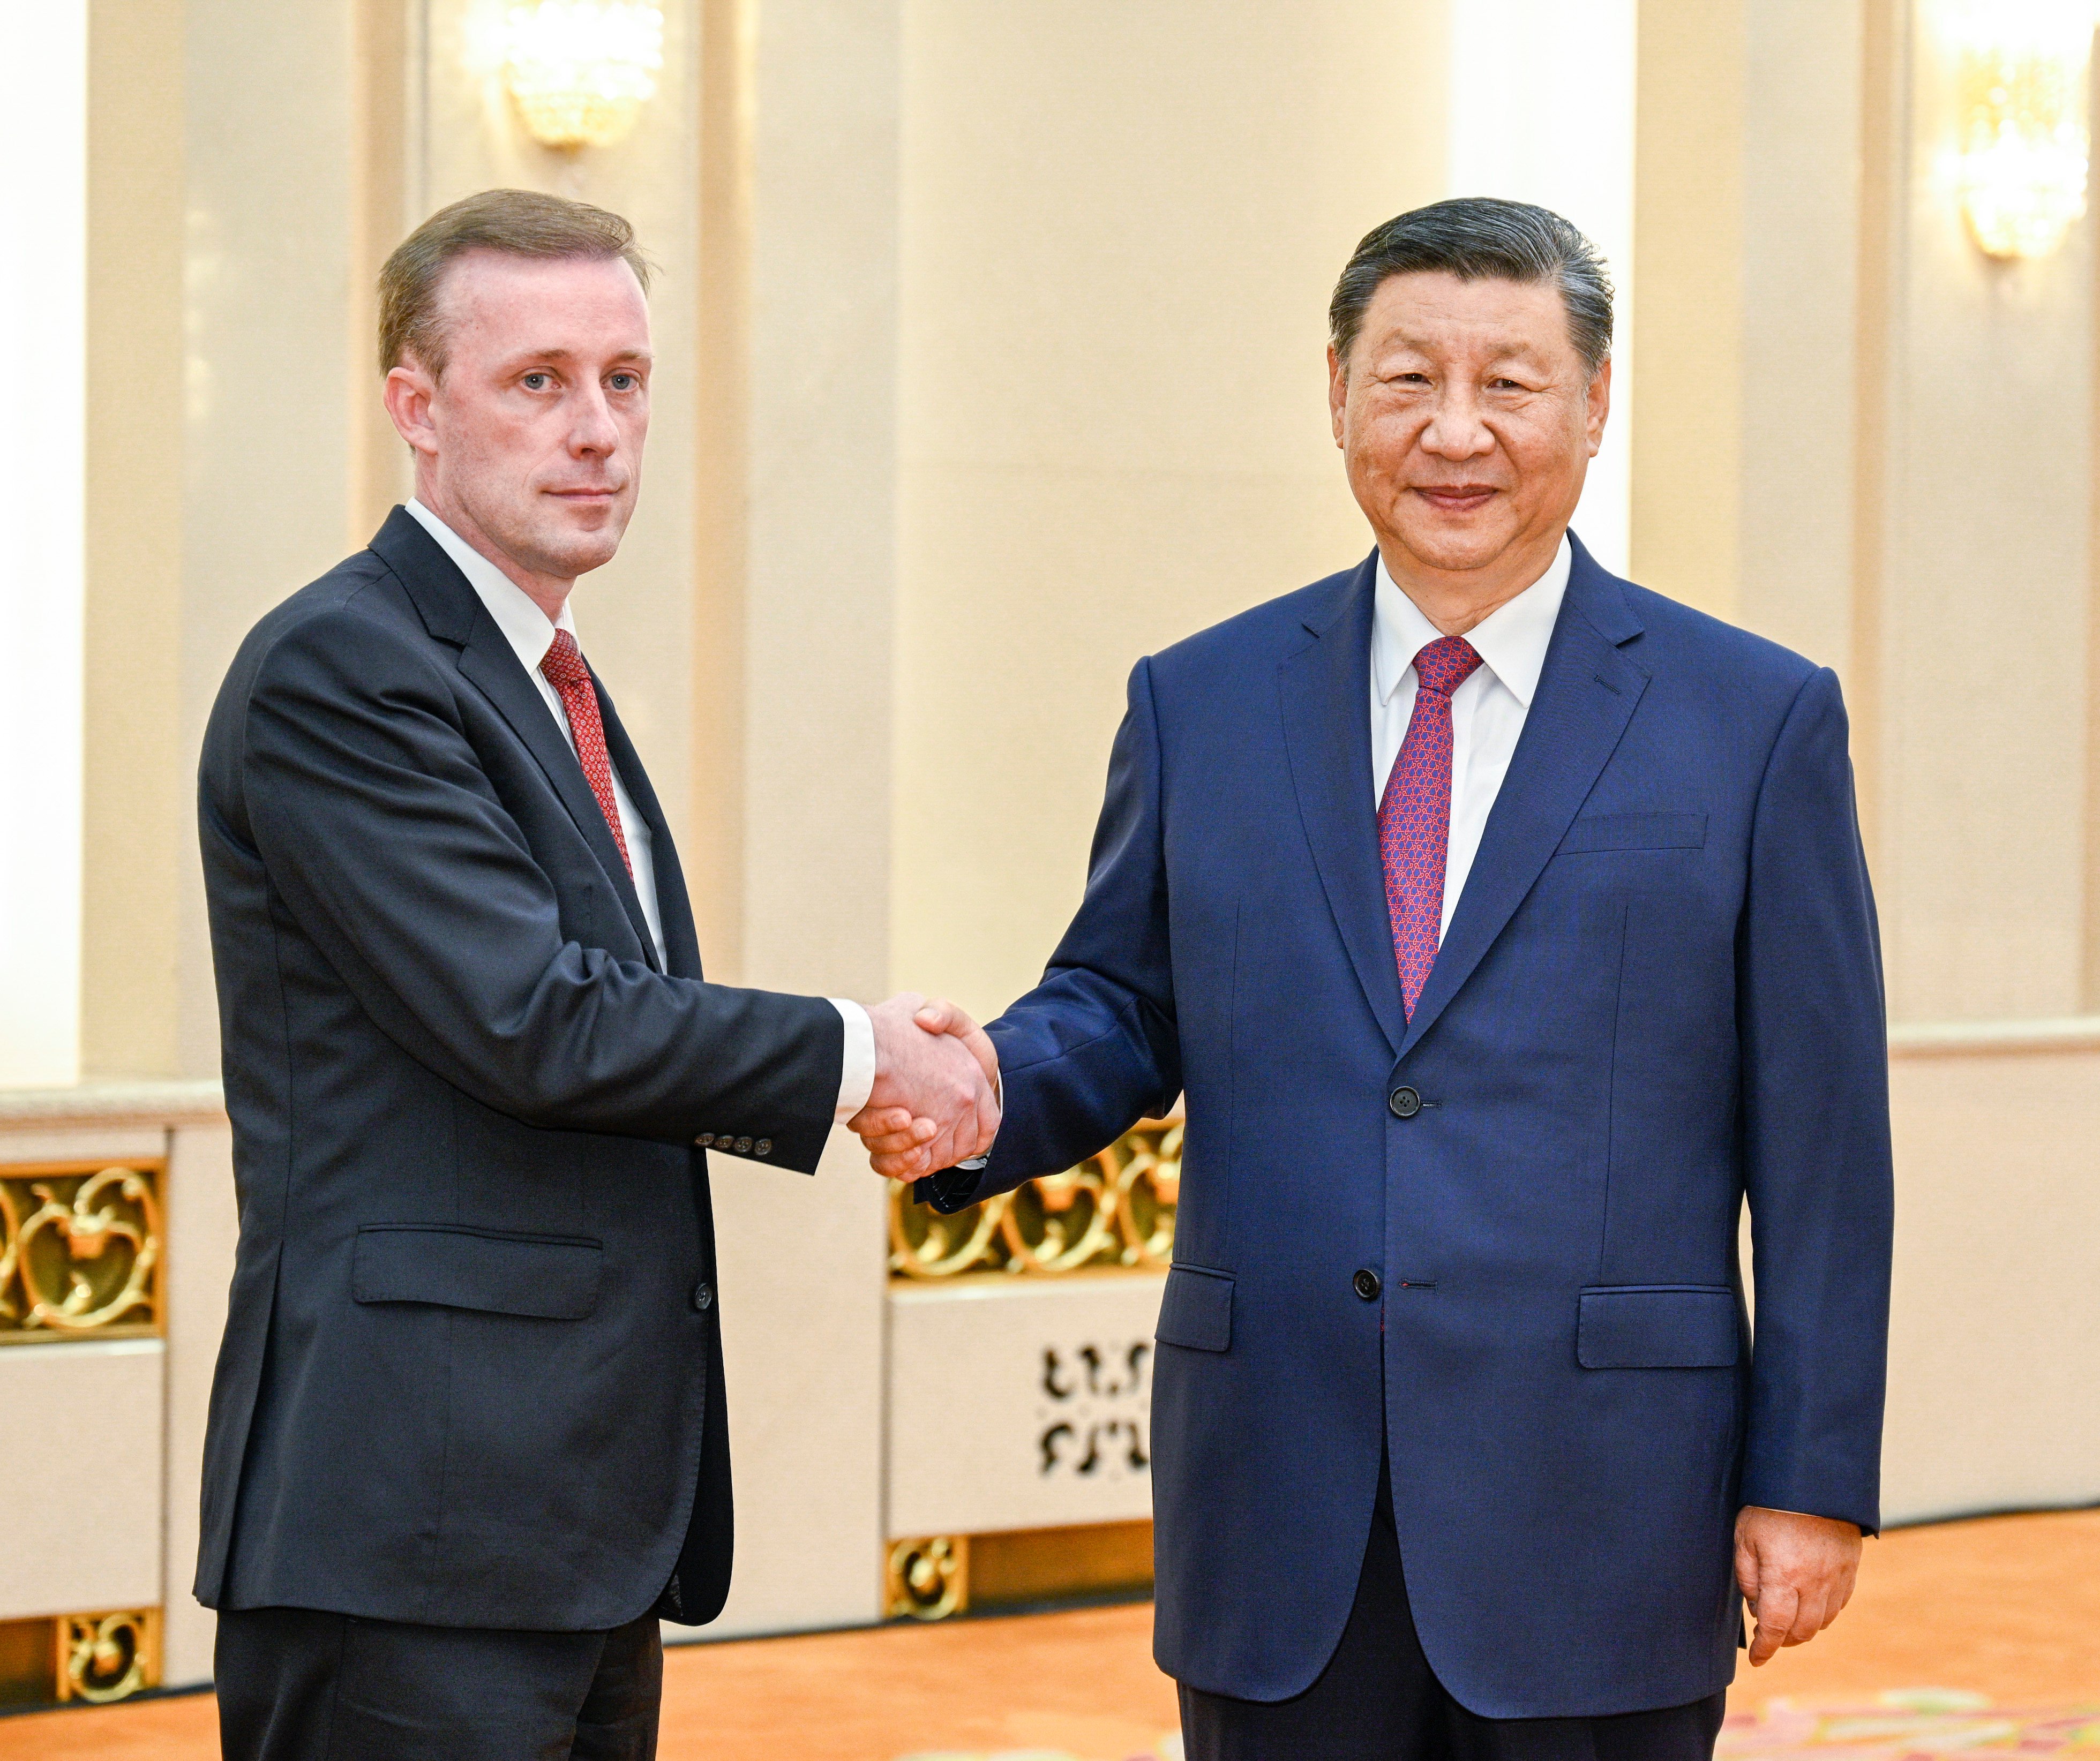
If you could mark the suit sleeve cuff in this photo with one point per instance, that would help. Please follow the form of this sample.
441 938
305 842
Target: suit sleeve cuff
857 1065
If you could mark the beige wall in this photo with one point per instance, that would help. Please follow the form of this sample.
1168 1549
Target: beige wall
1121 226
135 826
1986 580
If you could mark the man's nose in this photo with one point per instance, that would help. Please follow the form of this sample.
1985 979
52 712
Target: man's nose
1455 430
592 430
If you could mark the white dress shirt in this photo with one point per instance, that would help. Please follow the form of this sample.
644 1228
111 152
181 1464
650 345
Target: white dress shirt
526 629
1487 711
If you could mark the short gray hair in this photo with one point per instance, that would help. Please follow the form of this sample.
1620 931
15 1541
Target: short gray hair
1479 238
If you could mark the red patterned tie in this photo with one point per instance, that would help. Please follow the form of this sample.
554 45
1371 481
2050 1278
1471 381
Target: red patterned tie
563 667
1414 815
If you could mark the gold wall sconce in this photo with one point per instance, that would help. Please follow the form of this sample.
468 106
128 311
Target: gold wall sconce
2021 65
580 71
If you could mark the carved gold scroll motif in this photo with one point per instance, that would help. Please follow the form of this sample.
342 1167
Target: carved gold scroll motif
929 1579
80 1251
1114 1210
103 1658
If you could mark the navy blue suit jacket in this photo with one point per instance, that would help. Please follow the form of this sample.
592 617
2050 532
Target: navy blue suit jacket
1660 994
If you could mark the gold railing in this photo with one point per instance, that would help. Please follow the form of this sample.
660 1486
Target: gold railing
96 1657
933 1576
80 1250
1115 1209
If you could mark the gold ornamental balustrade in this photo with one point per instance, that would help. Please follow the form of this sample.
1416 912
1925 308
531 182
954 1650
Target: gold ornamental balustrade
80 1251
1114 1211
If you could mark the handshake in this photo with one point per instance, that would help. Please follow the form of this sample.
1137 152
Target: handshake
935 1102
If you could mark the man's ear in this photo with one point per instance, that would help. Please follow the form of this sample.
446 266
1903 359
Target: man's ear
1599 406
408 391
1338 391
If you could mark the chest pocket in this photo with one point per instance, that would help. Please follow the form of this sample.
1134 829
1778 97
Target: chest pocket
1634 831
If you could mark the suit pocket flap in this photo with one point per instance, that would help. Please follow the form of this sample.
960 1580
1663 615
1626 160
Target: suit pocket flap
1636 831
1197 1310
1657 1327
548 1277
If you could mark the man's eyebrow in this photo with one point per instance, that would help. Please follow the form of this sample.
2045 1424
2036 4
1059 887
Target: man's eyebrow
1514 348
519 357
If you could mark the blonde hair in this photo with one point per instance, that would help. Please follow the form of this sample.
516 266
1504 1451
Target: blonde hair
517 222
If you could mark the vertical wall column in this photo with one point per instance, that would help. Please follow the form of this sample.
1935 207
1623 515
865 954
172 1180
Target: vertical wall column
807 560
43 307
1542 110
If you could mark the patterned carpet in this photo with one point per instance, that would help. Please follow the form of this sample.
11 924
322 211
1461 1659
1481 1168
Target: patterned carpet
1905 1724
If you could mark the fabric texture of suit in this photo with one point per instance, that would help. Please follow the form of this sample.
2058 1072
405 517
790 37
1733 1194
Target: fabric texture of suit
472 1371
1508 1225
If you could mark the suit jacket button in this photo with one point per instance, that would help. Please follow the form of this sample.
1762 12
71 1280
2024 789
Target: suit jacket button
1405 1102
744 1146
1366 1284
704 1139
703 1296
763 1147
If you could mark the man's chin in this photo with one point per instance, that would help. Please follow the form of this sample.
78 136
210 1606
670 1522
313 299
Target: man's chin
580 553
1452 548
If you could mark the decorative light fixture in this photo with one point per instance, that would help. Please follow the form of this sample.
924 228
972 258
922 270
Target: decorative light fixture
2024 145
580 71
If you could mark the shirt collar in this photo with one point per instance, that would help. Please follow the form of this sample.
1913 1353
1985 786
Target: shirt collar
1511 641
524 625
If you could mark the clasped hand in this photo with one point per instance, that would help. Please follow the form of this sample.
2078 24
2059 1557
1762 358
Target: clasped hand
935 1099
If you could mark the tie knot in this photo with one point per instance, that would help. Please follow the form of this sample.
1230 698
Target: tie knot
563 662
1446 664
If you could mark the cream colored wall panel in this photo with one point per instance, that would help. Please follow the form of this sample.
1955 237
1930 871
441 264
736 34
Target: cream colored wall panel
266 452
1799 149
204 1228
43 485
802 1260
1985 600
1994 1371
1022 1404
801 1299
1121 228
85 1145
83 1433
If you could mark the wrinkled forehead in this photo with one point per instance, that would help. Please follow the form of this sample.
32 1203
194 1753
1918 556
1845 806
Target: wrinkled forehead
1443 317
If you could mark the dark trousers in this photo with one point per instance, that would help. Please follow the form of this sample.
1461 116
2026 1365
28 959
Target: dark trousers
297 1685
1378 1701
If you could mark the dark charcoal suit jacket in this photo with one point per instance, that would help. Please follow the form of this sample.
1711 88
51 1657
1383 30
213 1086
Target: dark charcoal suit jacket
472 1370
1496 1242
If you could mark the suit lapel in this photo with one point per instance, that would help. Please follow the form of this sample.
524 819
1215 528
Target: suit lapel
681 942
452 612
1327 697
492 664
1587 693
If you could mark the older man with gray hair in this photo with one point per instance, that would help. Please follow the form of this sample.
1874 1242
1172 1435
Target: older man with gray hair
1506 927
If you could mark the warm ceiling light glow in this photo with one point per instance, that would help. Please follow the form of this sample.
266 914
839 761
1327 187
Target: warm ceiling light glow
581 70
2023 142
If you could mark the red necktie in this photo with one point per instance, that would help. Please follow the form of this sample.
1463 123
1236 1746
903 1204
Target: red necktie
1414 815
563 667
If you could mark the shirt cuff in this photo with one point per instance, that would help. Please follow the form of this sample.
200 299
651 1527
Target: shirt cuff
856 1068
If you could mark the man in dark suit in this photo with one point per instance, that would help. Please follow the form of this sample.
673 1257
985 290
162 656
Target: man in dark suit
1506 927
467 1438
